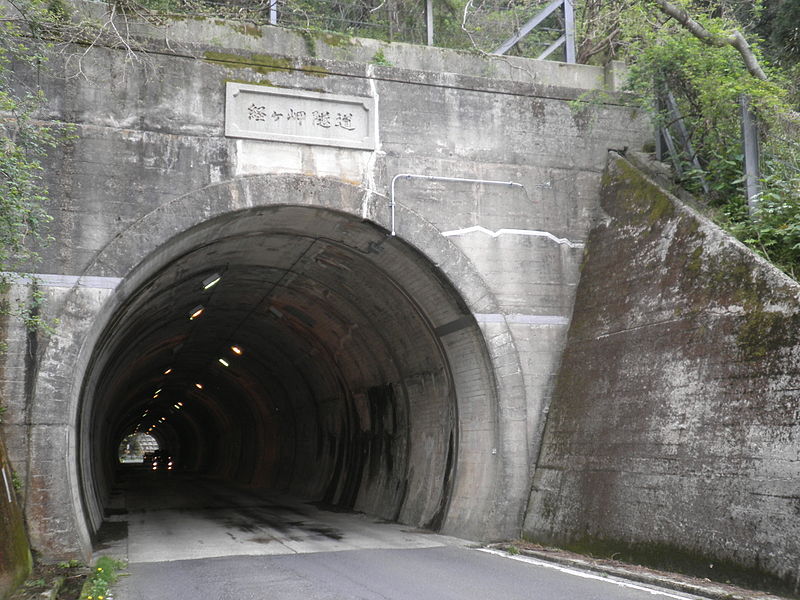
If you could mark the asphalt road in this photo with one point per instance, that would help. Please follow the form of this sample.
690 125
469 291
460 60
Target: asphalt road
193 540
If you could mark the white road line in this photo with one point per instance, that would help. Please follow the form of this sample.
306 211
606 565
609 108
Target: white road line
528 232
588 575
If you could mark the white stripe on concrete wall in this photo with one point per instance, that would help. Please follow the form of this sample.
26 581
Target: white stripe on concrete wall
527 319
8 489
528 232
54 280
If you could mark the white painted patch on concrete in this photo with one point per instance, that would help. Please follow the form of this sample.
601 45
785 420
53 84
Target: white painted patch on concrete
589 575
369 172
55 280
524 319
526 232
255 157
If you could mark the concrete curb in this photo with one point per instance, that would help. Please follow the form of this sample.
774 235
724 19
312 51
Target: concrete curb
705 588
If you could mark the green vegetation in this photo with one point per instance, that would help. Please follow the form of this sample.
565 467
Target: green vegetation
380 59
708 76
70 564
24 140
105 573
16 482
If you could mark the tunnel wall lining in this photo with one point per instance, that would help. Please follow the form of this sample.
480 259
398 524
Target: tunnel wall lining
482 479
673 438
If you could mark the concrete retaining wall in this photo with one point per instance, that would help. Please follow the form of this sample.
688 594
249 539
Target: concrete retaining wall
674 433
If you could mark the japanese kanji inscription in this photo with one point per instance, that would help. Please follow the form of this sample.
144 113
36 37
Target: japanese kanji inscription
264 113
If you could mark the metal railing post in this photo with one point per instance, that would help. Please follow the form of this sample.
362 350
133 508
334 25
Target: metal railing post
752 170
569 31
273 12
429 20
529 26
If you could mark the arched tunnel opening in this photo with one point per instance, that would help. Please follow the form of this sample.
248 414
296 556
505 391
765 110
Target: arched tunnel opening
273 348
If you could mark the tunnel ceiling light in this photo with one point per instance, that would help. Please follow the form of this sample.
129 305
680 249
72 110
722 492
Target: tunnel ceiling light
196 312
168 371
224 362
211 281
199 386
237 350
180 404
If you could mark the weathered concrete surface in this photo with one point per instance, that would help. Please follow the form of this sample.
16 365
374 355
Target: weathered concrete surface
673 436
483 275
15 556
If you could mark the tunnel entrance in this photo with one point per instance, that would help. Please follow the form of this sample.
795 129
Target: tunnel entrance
286 348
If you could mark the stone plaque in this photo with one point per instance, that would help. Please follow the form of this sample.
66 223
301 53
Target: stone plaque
263 113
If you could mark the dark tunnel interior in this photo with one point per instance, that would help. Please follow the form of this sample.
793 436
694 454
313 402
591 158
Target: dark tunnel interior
288 349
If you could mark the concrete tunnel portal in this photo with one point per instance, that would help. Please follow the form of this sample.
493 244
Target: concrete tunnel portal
287 348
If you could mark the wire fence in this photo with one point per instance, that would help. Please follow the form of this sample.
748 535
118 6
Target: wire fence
482 25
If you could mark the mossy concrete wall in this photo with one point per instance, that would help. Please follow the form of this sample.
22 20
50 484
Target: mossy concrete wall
674 432
15 557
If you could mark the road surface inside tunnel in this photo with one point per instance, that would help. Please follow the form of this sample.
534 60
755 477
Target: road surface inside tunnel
188 537
165 516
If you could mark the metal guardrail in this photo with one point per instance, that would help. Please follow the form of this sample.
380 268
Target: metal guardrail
364 16
567 39
673 141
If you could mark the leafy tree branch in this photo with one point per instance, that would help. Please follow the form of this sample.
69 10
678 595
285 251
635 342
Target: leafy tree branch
735 39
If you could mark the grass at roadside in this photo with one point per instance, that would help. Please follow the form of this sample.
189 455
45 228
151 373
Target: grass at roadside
105 572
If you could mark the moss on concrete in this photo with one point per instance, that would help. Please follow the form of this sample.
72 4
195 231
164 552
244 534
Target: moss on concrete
676 333
243 28
15 555
645 203
694 264
262 63
264 82
680 560
764 333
